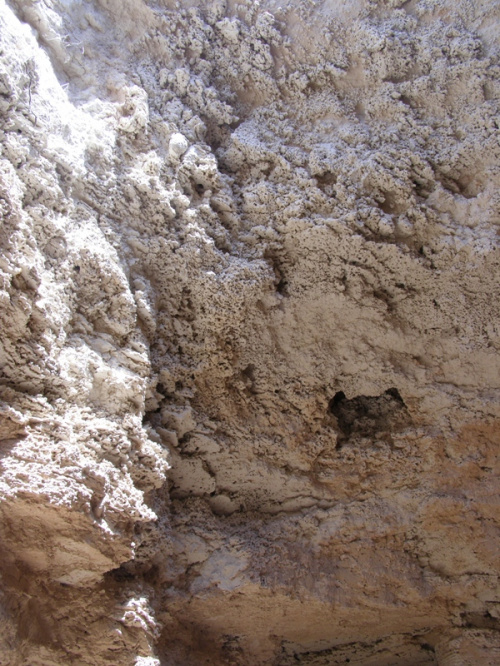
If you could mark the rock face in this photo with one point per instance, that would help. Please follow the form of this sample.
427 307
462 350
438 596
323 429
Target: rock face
249 296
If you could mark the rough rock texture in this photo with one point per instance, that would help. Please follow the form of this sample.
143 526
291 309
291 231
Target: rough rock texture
250 330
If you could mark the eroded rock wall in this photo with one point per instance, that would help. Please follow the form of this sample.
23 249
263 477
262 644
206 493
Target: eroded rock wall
250 332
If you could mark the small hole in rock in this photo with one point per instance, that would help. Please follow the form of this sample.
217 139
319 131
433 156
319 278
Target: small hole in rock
393 392
367 416
336 400
282 287
249 372
389 205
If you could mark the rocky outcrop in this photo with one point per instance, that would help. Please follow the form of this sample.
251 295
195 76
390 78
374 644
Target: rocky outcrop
249 303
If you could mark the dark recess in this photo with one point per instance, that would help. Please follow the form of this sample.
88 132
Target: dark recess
368 416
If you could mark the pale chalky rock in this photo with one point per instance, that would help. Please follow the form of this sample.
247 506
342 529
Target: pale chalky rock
249 308
177 145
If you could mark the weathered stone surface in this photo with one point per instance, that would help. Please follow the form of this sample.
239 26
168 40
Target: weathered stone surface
249 281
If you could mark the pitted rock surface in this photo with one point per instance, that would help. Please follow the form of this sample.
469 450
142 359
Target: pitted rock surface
249 302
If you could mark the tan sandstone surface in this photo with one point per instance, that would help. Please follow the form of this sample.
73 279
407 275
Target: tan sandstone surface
250 331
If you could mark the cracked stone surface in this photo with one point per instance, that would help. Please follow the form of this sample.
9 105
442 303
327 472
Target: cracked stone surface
250 332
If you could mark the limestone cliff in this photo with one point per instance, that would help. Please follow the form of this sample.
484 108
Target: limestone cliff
250 331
